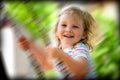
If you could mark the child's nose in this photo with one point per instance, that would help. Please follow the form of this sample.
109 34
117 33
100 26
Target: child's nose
68 29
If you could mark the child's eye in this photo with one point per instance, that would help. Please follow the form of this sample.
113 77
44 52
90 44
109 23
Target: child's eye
75 27
64 25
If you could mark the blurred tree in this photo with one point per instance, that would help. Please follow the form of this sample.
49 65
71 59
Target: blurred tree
106 55
37 17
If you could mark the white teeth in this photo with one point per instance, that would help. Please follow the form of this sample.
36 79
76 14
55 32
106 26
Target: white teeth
68 36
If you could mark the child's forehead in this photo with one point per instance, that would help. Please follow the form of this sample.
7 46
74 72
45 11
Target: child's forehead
72 18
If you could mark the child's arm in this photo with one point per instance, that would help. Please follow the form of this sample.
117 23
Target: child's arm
37 53
77 66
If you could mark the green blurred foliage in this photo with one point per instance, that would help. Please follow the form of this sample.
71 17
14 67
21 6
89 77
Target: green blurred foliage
37 17
106 54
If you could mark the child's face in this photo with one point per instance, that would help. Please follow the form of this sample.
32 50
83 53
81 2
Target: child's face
70 29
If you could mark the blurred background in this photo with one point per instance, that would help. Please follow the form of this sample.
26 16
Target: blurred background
35 19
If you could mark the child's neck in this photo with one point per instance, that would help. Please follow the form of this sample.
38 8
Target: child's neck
64 46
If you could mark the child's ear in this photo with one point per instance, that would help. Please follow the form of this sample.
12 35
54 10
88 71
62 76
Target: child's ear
84 36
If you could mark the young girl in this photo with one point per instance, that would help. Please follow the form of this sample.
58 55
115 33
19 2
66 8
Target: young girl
75 37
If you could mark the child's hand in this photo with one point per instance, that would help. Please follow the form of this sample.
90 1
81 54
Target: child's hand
23 43
53 52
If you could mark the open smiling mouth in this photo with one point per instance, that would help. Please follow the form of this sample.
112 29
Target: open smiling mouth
68 36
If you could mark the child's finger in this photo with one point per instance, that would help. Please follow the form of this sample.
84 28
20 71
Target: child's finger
23 43
21 38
